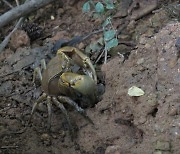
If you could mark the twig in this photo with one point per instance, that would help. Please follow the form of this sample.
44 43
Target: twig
99 57
7 3
6 40
17 2
105 56
15 71
20 131
105 52
92 33
128 43
22 10
9 147
75 40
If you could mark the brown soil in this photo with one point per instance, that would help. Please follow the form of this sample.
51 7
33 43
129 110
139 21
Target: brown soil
122 124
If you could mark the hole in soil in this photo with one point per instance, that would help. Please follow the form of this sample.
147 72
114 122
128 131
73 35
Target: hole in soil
154 112
123 122
100 90
126 55
138 133
100 150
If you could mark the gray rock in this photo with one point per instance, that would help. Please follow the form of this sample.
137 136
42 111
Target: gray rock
163 145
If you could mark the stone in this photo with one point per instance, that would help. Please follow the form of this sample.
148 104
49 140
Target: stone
19 39
140 61
115 149
163 145
81 46
46 139
157 152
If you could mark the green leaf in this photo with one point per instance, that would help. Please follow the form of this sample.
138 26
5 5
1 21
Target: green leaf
95 47
87 49
99 7
112 43
135 91
108 1
96 15
108 35
109 6
106 22
86 7
101 41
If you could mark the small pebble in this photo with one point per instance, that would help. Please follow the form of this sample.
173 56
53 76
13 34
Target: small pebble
163 145
60 11
115 149
140 61
157 152
173 111
46 139
52 17
81 46
147 46
142 120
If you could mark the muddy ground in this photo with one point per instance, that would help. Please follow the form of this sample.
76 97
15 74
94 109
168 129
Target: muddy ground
122 124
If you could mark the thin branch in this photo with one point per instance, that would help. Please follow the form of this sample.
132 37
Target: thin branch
6 40
22 10
7 3
99 57
9 147
105 56
17 2
105 52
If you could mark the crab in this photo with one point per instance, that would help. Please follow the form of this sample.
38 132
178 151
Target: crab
68 77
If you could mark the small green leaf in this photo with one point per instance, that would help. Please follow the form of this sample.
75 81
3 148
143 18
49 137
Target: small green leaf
86 7
96 15
108 35
112 43
95 47
135 91
108 1
87 49
99 7
106 22
109 6
101 41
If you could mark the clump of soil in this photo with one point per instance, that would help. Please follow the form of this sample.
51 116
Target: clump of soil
145 124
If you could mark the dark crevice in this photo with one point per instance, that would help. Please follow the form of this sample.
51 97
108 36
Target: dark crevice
121 121
154 112
138 133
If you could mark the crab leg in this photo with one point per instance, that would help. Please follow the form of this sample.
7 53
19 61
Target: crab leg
41 98
43 64
91 68
37 71
75 105
49 104
64 111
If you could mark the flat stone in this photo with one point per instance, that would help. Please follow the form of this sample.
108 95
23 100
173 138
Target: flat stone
163 145
157 152
140 61
115 149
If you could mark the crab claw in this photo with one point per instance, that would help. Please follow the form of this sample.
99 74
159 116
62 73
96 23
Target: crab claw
82 84
87 62
81 59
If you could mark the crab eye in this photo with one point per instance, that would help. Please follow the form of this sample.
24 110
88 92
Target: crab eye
66 83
